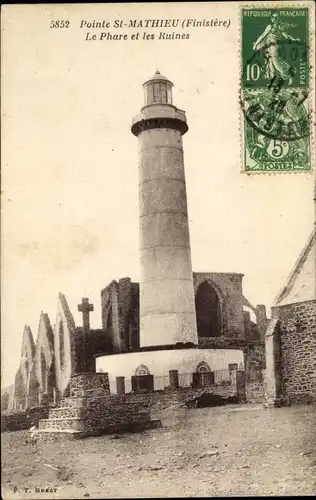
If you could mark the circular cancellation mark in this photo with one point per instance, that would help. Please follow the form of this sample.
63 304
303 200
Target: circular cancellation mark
277 111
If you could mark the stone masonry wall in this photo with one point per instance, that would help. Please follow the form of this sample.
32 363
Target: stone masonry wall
221 342
163 398
298 351
15 420
254 392
118 412
120 314
166 398
124 306
254 360
98 413
134 318
113 414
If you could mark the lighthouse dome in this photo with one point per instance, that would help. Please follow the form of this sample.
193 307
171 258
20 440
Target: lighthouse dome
158 90
158 77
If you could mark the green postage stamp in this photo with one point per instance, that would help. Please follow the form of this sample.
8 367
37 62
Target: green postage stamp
275 83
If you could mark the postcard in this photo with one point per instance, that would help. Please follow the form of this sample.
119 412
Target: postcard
158 250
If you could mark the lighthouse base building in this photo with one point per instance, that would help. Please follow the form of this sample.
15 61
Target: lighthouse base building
230 335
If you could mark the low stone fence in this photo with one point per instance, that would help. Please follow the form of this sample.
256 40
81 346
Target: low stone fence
16 420
96 385
115 414
167 398
120 412
163 398
208 380
141 405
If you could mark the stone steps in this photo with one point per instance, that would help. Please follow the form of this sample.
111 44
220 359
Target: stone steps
77 428
53 434
47 435
73 402
71 423
91 410
67 412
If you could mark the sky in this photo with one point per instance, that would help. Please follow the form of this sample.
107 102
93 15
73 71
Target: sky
70 164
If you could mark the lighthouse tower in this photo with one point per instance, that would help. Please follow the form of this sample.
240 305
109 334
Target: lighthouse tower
167 307
168 331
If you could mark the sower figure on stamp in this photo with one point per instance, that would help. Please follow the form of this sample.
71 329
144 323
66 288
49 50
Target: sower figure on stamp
269 42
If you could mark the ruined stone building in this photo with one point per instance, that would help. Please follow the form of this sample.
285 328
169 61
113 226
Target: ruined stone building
222 323
174 319
291 335
46 367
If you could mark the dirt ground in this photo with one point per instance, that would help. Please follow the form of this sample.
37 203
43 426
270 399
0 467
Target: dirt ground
233 450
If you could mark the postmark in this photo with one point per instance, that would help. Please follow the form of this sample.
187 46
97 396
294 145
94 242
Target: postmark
274 92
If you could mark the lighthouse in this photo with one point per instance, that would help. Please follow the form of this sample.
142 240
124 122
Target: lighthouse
167 306
170 354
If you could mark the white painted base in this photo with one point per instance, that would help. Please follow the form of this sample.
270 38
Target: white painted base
160 362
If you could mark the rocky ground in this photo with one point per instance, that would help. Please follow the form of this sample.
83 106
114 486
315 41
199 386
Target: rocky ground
233 450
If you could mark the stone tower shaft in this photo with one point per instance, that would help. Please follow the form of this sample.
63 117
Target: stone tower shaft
167 307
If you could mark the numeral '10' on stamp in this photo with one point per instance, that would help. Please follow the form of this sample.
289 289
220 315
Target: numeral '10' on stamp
274 89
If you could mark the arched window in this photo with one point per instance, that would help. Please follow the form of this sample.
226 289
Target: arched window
203 374
61 344
208 311
142 370
203 367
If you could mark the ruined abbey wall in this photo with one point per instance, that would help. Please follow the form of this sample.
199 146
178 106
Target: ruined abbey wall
297 342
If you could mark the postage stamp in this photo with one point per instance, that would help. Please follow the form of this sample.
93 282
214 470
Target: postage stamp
274 94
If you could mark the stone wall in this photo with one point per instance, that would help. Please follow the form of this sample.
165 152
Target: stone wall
118 409
114 414
166 398
91 408
298 351
124 307
134 317
222 342
120 314
104 414
254 392
255 361
163 398
96 343
15 420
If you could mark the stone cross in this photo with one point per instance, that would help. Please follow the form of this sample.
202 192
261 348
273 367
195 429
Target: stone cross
85 308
